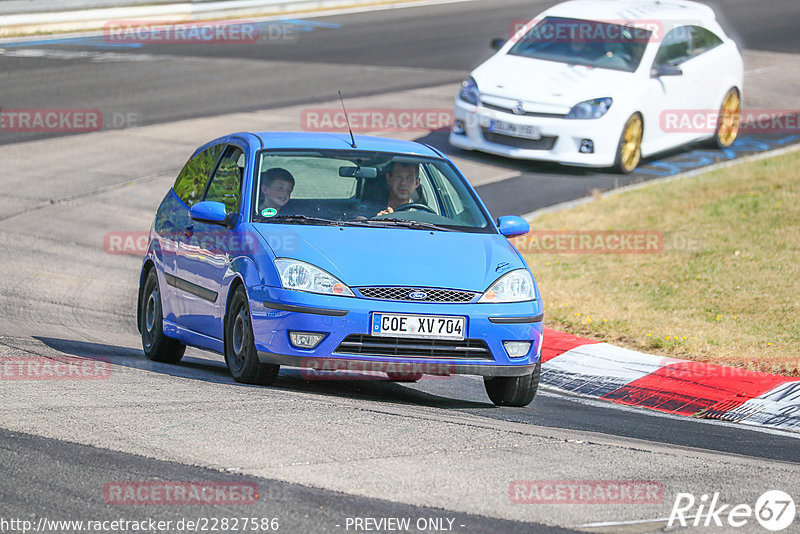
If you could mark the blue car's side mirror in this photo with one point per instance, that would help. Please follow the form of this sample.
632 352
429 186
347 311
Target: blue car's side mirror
211 212
513 225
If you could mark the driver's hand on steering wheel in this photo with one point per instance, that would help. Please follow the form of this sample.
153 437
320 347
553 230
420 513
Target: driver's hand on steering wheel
406 207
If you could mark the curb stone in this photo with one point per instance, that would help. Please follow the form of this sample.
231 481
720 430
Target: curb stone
681 387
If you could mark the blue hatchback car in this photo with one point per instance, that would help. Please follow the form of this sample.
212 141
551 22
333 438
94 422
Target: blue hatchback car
324 252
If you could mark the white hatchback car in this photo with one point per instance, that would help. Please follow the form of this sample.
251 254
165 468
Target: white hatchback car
602 83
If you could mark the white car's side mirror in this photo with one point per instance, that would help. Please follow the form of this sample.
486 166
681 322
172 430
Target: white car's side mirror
665 70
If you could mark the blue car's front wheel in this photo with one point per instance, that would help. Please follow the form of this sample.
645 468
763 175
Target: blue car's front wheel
515 391
240 347
404 377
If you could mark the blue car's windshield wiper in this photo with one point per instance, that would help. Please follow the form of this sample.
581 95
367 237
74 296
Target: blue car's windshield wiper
304 219
405 223
385 223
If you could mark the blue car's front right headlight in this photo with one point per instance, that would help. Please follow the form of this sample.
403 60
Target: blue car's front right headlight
301 276
469 92
516 286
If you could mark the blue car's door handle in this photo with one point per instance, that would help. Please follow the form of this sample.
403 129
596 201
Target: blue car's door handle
188 231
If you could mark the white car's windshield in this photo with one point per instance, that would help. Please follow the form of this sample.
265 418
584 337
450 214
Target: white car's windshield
584 42
363 189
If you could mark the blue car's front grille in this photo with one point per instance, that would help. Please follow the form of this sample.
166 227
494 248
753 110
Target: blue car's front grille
468 349
416 294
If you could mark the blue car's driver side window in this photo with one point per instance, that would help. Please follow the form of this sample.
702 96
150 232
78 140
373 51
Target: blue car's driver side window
191 182
226 185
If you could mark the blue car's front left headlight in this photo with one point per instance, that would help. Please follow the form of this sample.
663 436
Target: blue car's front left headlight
301 276
469 92
590 109
516 286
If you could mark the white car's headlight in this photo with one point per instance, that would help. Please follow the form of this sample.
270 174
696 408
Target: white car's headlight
590 109
516 286
302 276
469 92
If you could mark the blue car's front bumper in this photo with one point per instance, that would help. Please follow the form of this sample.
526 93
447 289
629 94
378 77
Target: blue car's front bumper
275 312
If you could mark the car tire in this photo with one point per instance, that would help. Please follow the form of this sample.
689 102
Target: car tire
728 121
515 391
157 347
404 377
240 347
629 148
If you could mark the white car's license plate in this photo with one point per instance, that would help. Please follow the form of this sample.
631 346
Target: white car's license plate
524 131
424 326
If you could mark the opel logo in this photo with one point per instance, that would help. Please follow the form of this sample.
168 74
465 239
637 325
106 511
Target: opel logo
519 109
417 295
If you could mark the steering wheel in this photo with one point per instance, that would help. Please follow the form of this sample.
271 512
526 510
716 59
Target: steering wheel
415 206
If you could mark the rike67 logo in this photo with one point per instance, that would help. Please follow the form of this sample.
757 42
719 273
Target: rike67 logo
774 510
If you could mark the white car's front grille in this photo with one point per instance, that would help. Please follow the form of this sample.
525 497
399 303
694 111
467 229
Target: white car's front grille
546 142
524 113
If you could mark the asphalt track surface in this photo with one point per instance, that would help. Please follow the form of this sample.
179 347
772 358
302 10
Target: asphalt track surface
360 54
425 46
368 53
53 467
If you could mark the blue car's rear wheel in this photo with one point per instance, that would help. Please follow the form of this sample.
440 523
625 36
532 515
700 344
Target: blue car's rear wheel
156 345
240 348
513 390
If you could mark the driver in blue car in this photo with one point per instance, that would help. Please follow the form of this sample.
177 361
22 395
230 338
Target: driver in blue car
403 180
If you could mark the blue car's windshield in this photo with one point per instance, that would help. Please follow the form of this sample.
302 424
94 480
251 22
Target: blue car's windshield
364 189
584 42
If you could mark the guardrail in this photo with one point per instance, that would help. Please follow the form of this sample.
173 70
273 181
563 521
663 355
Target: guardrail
27 17
21 7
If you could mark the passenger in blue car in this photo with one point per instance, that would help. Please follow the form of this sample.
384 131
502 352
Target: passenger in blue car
277 185
403 180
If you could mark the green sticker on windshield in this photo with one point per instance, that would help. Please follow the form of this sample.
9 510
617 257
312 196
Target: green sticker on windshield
269 212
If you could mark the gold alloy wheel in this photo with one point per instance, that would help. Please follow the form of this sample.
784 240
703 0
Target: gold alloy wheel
631 146
730 115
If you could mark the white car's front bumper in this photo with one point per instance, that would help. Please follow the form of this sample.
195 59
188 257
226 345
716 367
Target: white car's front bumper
560 141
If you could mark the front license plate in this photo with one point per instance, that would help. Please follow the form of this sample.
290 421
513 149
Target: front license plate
524 131
424 326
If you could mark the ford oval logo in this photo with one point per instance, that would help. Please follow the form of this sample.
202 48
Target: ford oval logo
417 295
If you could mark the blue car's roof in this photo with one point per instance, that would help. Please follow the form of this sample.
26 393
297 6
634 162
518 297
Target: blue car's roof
342 141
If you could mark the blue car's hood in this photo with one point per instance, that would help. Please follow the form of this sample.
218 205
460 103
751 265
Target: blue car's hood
395 256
